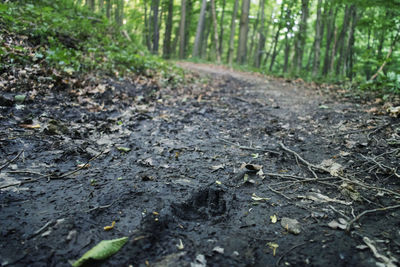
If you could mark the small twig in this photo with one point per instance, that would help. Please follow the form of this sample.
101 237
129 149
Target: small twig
101 207
247 147
288 251
50 175
303 160
11 160
44 227
369 211
79 168
279 193
341 213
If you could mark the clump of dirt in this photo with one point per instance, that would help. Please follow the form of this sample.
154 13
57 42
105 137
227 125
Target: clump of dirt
200 175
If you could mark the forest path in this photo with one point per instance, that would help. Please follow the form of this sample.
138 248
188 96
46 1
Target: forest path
232 169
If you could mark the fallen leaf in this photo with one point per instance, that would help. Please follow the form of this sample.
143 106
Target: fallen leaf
274 246
394 111
30 126
273 218
218 182
257 198
108 228
101 251
335 225
123 149
217 167
254 155
335 169
218 250
180 246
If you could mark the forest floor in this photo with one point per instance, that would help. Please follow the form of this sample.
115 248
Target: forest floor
234 170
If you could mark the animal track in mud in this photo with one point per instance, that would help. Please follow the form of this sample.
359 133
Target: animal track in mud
202 205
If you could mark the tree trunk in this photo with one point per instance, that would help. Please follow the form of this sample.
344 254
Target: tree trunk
274 51
350 45
155 29
221 31
207 27
232 36
243 32
392 46
182 30
254 33
342 40
168 30
261 36
330 36
301 37
108 9
317 42
214 19
199 30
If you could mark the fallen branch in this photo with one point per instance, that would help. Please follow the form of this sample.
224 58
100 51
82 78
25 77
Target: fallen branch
51 176
247 147
288 251
349 224
11 160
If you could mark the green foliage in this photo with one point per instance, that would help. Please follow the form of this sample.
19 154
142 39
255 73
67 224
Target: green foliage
72 39
102 250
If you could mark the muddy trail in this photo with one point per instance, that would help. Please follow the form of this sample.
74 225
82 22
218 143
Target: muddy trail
235 170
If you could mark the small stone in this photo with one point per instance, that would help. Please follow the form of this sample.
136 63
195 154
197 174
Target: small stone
291 225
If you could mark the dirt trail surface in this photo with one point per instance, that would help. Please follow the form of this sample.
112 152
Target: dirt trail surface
236 170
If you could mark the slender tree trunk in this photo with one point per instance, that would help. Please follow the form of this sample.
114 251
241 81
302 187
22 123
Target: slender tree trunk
214 19
317 43
333 52
182 30
155 29
392 46
207 26
342 40
274 51
221 31
189 16
108 9
254 34
261 36
232 36
101 6
330 32
243 33
168 30
301 37
147 27
350 45
199 30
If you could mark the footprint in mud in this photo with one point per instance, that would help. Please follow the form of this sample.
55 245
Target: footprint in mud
202 205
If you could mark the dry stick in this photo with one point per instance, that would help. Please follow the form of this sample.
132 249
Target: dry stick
58 177
340 177
12 160
369 211
247 147
279 193
287 252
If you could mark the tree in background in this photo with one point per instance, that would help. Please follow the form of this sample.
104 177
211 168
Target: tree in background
343 39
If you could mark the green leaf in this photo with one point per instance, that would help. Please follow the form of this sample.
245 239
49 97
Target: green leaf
19 98
102 250
124 149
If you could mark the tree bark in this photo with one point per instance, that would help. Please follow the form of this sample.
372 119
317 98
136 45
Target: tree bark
221 31
155 29
199 30
301 37
342 40
214 19
330 37
317 43
232 36
182 30
261 36
243 32
168 30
